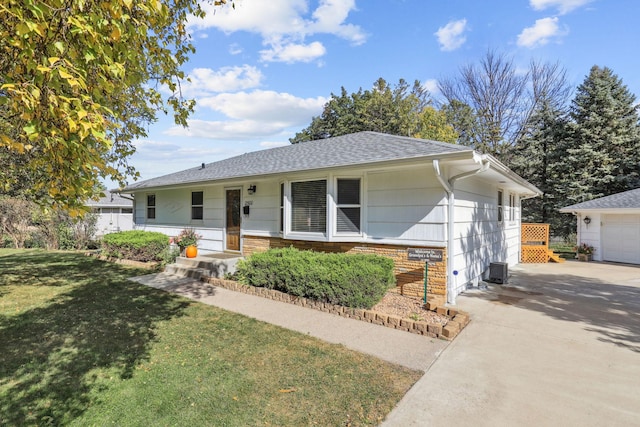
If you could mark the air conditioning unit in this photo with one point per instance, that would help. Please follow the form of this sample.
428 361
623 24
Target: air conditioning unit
499 272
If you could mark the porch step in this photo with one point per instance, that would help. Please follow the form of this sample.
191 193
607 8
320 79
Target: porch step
555 257
193 273
212 265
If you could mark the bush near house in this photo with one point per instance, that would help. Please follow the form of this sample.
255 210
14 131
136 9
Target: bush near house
351 280
135 245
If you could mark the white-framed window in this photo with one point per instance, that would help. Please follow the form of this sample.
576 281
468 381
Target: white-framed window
512 207
127 210
197 204
500 206
151 206
282 207
348 205
309 206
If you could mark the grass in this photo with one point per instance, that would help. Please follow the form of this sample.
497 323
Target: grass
81 345
565 250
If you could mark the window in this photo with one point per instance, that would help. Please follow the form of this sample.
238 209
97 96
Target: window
151 206
512 207
348 206
282 207
500 207
309 206
127 210
197 199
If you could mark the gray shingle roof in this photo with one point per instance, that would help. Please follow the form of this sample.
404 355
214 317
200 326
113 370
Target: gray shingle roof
353 149
625 200
110 200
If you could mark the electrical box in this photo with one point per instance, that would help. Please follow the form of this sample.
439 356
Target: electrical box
499 272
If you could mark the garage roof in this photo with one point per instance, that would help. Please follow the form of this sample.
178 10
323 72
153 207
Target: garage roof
625 200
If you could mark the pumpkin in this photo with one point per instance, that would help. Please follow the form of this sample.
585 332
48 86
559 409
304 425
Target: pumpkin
191 251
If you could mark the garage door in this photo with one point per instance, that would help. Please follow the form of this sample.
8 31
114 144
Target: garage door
621 238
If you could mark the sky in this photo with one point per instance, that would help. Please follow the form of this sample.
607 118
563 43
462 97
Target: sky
263 69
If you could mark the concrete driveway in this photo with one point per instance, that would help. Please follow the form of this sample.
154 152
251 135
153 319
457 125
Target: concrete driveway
558 345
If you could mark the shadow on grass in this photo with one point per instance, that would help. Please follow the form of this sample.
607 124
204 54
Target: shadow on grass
609 310
57 357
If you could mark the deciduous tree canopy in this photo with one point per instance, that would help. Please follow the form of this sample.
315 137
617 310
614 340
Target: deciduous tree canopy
79 80
401 110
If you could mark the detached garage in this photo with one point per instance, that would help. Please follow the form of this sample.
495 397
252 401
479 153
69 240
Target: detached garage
611 225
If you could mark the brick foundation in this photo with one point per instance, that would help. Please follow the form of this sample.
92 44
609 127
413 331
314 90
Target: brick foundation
409 274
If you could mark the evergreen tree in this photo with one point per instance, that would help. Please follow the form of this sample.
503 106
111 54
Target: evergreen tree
603 144
538 158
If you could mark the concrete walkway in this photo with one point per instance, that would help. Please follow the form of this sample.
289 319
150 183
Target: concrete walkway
399 347
557 346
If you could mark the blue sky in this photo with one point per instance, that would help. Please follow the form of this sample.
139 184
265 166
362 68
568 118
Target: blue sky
265 68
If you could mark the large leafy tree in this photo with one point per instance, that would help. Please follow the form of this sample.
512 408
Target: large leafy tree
399 110
79 81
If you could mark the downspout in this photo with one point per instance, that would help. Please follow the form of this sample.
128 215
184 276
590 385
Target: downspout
448 186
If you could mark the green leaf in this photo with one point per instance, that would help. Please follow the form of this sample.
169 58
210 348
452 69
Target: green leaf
59 46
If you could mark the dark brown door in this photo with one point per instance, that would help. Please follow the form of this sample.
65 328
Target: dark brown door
233 220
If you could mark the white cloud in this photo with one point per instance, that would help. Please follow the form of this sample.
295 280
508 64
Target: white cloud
432 86
226 130
155 158
540 33
265 106
235 49
451 36
224 79
252 114
273 144
293 53
284 24
563 6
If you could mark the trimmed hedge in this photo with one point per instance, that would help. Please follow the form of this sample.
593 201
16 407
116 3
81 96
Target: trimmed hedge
135 245
351 280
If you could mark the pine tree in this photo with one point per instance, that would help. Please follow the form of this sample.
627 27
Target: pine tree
538 159
602 148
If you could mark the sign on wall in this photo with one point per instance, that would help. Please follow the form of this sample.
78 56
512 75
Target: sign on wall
425 254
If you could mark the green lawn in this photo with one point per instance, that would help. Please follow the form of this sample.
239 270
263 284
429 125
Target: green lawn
81 345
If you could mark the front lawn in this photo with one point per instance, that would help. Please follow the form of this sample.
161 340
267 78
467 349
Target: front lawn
81 345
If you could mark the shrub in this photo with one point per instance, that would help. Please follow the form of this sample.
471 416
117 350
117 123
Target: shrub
135 245
352 280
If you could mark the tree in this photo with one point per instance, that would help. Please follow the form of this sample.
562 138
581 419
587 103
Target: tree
401 110
538 158
79 81
489 104
603 149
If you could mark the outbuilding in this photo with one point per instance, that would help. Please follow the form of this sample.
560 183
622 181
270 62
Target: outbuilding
114 213
610 224
365 192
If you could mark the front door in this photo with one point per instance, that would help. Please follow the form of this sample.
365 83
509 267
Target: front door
233 220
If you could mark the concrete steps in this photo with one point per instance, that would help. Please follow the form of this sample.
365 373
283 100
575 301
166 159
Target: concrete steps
212 265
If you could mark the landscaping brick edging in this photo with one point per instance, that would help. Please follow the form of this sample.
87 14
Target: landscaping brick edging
457 319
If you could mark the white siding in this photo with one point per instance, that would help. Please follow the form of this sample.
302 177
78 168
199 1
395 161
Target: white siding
173 213
406 207
479 238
